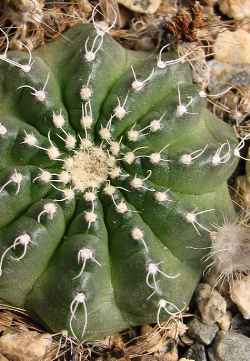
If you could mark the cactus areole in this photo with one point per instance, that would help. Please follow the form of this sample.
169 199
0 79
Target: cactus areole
113 172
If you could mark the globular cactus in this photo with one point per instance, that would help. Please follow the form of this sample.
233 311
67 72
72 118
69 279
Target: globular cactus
112 174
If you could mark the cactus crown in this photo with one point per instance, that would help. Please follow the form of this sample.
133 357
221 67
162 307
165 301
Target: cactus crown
112 172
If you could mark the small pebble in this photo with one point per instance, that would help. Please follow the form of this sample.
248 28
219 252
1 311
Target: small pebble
240 325
240 295
233 47
212 306
196 352
237 9
201 332
25 346
225 322
230 346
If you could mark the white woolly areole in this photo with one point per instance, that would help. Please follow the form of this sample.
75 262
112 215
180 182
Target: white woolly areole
70 141
202 94
138 85
45 176
109 190
161 196
69 194
152 268
137 234
50 209
16 177
111 161
64 177
88 168
90 217
80 297
120 112
191 217
105 133
86 121
30 139
40 95
162 303
155 158
115 148
181 110
133 135
58 120
155 125
85 92
216 159
90 196
122 207
3 129
26 68
186 159
68 163
86 143
24 239
90 56
136 183
53 152
129 157
115 172
86 253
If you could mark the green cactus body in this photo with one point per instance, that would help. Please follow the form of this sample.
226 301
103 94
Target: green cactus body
109 180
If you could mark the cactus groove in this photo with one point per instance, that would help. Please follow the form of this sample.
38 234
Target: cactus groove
112 174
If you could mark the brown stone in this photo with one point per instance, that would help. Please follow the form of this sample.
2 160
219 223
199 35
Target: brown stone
237 9
211 304
240 295
3 358
25 346
233 47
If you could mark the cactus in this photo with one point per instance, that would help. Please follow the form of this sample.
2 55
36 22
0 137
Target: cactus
112 174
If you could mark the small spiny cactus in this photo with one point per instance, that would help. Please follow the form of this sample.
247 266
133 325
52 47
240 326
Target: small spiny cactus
112 174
